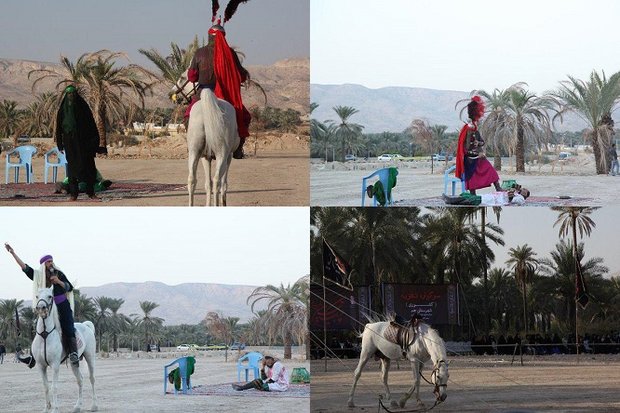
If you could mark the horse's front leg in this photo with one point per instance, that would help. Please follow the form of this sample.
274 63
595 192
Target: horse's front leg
78 376
385 369
415 367
46 387
356 376
55 371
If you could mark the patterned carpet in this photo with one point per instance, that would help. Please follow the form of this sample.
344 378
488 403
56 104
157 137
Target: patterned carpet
294 391
540 201
41 192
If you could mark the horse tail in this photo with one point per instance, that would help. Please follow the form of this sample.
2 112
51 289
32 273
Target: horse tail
212 114
90 326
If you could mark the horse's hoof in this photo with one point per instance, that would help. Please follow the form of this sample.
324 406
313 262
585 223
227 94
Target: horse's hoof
402 403
350 403
76 410
420 403
94 408
393 403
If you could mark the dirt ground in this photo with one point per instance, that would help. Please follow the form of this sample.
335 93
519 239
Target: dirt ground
338 184
275 173
134 384
481 384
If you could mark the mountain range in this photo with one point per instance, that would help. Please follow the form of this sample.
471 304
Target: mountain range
391 109
186 303
285 82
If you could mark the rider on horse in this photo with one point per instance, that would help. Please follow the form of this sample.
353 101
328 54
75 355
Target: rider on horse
217 67
46 276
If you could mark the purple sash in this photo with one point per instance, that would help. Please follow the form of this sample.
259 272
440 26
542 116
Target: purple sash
60 298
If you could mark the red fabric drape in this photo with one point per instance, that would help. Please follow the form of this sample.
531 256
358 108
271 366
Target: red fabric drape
228 85
460 152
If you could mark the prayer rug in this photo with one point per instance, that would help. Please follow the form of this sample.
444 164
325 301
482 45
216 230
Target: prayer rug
294 391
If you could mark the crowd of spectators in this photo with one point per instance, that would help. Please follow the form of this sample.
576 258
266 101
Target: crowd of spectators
546 344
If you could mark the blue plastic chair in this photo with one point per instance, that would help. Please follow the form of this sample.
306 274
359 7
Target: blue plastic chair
448 179
25 161
186 387
62 161
383 175
252 358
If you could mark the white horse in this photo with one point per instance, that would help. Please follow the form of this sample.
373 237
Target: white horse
47 350
420 345
211 134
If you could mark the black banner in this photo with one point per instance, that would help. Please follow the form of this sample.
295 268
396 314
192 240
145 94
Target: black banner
437 304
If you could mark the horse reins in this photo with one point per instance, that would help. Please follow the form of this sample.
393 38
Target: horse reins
44 334
185 96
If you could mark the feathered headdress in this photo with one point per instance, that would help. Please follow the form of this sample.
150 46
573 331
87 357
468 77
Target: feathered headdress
231 8
475 108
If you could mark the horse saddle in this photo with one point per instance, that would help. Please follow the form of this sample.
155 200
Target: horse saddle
400 335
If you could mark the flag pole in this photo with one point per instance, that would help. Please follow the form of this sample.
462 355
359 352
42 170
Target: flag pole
324 326
324 311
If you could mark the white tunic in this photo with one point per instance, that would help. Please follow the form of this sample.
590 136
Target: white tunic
278 374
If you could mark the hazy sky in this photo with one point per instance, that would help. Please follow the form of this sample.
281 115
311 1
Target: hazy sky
42 30
95 246
534 226
461 45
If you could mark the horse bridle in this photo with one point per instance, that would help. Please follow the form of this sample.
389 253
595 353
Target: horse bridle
44 334
435 373
186 97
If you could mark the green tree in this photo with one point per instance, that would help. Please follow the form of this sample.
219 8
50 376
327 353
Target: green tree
524 267
9 118
287 311
148 323
593 101
346 130
524 115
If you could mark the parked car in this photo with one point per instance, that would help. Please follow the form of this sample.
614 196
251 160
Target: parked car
385 157
185 347
237 346
349 157
563 156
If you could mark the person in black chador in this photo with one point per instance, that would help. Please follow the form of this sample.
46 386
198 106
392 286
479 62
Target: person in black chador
78 138
45 277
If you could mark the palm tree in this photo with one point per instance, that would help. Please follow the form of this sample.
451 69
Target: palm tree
501 293
118 322
102 322
493 127
149 324
105 87
9 118
524 115
173 66
346 130
524 267
84 308
593 101
456 240
39 117
560 268
287 311
8 319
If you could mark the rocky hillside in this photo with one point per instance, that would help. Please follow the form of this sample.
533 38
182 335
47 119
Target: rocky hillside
286 83
391 109
179 304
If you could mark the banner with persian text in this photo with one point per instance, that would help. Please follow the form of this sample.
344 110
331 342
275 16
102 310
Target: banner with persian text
437 304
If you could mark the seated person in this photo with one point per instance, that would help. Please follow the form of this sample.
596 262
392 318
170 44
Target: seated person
273 377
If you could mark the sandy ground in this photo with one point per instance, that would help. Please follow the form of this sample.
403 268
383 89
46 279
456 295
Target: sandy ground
338 184
275 173
136 385
482 384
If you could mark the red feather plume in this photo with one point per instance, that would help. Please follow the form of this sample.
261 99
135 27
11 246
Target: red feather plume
476 108
231 8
